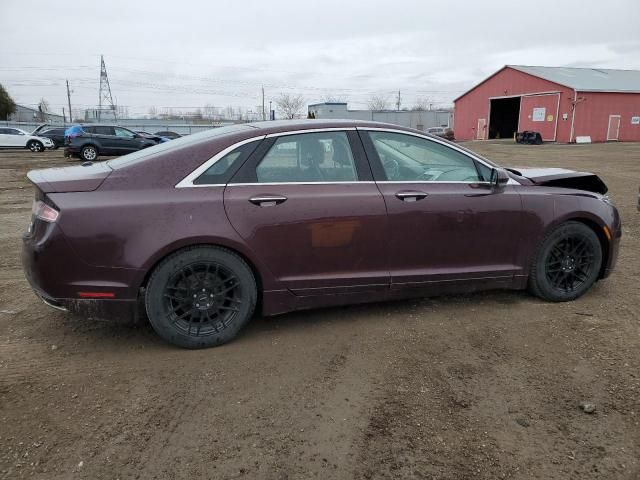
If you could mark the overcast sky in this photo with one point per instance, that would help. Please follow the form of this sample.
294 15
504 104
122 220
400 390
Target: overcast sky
187 54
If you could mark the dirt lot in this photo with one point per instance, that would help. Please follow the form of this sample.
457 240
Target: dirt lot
482 386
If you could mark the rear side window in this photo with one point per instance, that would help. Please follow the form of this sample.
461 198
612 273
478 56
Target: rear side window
101 130
222 171
308 157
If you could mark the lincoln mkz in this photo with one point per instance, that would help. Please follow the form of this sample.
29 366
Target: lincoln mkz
282 216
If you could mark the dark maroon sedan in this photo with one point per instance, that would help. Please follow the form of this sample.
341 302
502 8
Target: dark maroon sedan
293 215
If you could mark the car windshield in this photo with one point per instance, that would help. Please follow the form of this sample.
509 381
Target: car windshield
140 155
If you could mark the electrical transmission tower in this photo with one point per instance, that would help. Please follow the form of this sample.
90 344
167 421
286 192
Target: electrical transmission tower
105 91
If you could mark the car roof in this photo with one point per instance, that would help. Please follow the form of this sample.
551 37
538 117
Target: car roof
277 126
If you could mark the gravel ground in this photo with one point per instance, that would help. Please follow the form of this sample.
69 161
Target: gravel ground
482 386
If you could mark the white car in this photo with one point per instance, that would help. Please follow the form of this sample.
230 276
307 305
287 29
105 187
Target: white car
16 138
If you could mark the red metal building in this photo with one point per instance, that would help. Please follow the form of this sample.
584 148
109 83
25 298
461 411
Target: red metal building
560 103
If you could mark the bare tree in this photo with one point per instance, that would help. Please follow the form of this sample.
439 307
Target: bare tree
378 102
209 111
289 105
153 112
43 108
229 113
422 104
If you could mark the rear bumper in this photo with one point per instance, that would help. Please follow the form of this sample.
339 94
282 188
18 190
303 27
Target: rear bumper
58 277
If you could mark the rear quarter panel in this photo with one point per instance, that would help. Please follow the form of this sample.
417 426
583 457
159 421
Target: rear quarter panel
134 229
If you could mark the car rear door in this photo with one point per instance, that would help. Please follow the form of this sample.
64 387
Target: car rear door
104 136
446 222
306 204
4 137
14 138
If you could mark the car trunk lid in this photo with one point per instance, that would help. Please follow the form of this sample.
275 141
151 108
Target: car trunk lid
563 178
85 178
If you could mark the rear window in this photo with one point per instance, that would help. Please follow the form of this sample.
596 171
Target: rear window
178 143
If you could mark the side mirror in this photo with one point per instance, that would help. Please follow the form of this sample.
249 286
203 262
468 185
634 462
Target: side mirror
499 178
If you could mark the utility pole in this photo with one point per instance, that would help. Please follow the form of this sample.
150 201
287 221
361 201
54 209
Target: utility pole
69 100
398 101
264 117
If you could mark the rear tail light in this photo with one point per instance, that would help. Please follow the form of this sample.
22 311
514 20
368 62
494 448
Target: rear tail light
44 212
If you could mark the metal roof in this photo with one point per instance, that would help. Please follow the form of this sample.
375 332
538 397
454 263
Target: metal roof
587 79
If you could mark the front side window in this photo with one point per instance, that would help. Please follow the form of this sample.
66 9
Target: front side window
124 133
308 157
406 158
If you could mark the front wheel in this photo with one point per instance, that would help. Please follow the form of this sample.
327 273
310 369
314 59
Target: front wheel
567 263
200 297
35 146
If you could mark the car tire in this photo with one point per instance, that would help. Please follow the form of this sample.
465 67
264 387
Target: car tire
89 153
35 146
200 297
567 263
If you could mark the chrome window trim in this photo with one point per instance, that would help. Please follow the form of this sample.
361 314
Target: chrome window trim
187 182
435 182
311 130
266 184
432 139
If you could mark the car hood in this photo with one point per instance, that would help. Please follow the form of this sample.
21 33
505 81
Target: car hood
79 178
562 178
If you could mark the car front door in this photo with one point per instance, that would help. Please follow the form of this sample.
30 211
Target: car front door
127 141
306 204
446 221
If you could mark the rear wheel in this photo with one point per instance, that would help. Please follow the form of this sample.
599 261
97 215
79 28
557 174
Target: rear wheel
89 153
35 146
200 297
567 263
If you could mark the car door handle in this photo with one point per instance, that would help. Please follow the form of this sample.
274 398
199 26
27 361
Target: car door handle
268 200
411 196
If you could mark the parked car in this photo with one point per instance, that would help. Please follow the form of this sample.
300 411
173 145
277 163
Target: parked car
151 136
92 140
56 135
529 138
17 138
168 134
444 132
207 228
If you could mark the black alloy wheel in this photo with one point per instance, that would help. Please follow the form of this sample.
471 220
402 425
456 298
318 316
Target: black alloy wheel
200 296
567 263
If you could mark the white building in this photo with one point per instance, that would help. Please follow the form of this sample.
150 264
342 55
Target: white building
418 119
